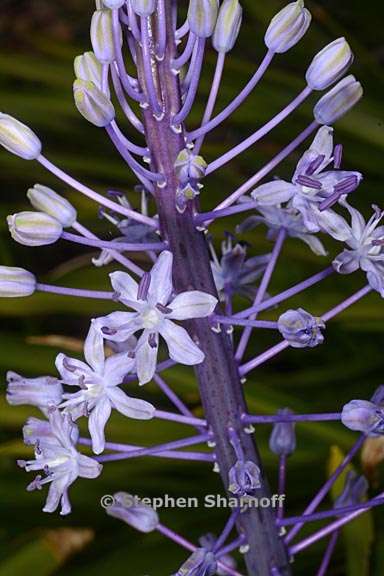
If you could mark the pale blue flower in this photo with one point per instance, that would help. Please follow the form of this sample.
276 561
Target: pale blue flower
363 416
98 381
56 455
283 438
311 183
301 329
364 242
354 492
289 219
154 311
234 273
43 392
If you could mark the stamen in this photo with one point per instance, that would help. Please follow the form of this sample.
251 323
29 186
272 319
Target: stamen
68 366
108 331
309 182
346 185
314 165
144 285
337 155
152 340
163 309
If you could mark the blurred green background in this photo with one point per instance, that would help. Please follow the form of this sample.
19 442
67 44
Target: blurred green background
38 41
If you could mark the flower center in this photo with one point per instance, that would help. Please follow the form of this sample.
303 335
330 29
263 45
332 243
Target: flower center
151 317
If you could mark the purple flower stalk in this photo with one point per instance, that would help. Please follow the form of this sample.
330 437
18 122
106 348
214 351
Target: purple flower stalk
183 293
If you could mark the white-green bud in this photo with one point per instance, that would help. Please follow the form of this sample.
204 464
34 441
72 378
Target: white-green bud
329 65
288 27
227 26
47 200
18 138
95 106
202 16
113 4
143 7
34 228
16 282
88 67
338 101
102 36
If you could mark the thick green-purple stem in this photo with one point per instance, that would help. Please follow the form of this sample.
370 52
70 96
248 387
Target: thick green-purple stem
218 377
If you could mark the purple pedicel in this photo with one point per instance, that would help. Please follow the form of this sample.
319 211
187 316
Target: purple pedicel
178 301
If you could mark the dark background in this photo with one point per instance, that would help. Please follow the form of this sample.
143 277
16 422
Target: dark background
39 40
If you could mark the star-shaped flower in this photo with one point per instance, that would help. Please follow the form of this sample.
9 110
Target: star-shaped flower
99 392
56 454
154 311
365 244
311 183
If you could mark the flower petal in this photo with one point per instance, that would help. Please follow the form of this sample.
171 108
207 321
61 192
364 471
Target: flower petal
274 193
161 286
88 467
96 424
146 358
346 262
314 243
117 367
334 225
130 407
118 326
180 345
71 369
125 286
94 349
193 304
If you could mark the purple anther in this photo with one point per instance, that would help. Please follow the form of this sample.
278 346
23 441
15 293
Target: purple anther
144 285
163 309
337 155
108 331
314 165
304 180
68 366
347 185
152 340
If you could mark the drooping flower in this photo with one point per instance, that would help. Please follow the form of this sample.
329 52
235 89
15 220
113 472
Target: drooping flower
365 244
301 329
130 230
18 139
234 273
47 200
290 219
154 311
354 492
201 563
283 438
98 381
338 101
34 228
43 392
55 454
363 416
140 516
311 183
208 541
244 478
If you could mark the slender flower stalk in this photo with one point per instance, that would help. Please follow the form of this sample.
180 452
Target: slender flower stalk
328 554
111 245
76 292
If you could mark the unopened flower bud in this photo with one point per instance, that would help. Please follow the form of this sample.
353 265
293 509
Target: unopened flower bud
34 228
16 282
95 106
42 392
113 4
363 416
88 67
244 478
102 36
227 26
329 64
338 101
129 509
202 16
288 27
18 138
46 200
143 7
189 166
301 329
283 438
